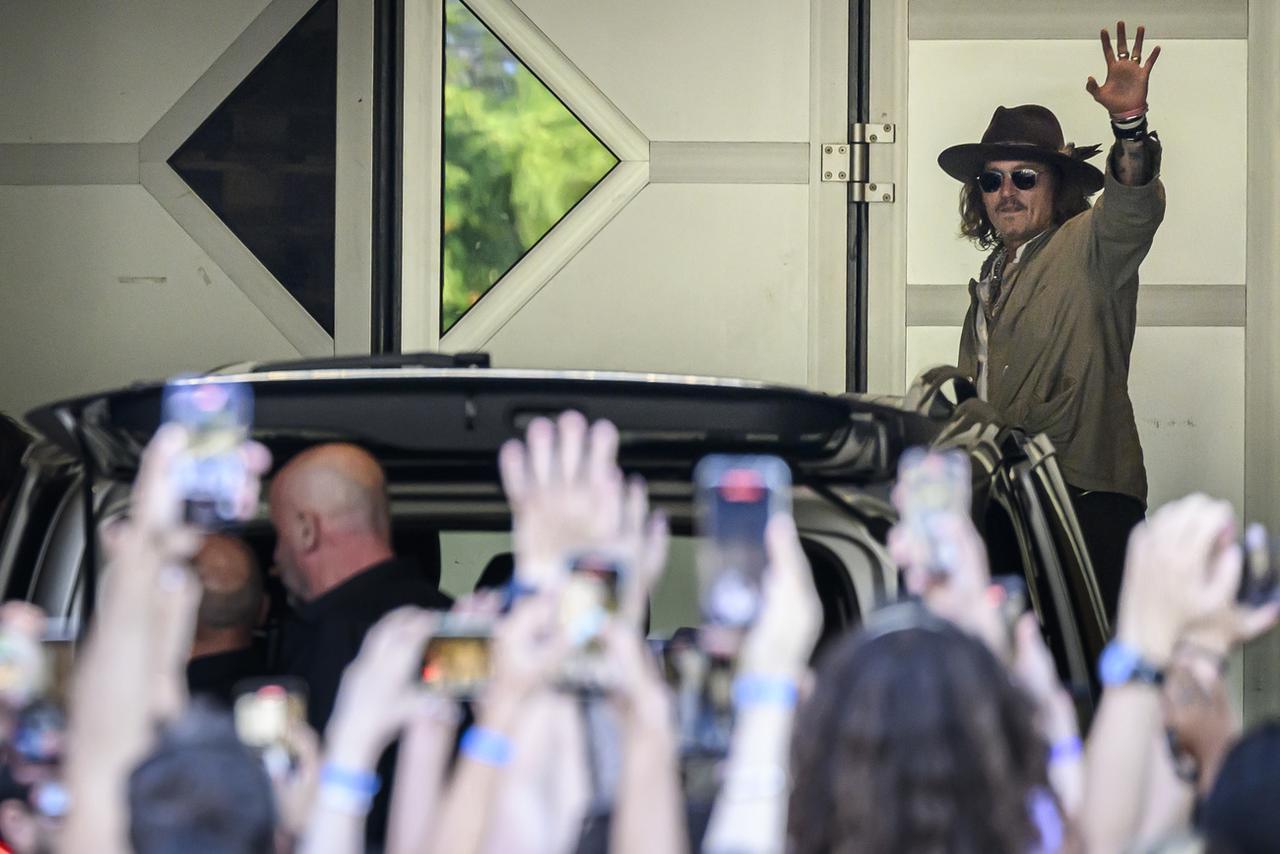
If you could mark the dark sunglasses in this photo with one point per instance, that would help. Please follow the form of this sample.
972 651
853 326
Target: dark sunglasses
1023 179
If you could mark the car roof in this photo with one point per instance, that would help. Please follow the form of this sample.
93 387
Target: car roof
448 422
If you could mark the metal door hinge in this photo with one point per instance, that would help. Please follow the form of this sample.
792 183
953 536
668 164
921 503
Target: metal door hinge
847 162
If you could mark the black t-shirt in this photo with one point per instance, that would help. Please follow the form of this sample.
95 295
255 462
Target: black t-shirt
216 675
325 634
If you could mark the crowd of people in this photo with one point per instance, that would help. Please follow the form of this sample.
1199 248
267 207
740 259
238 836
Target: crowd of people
936 726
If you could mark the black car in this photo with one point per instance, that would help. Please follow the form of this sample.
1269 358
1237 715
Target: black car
436 423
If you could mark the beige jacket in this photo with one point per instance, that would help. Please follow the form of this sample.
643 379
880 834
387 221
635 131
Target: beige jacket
1058 351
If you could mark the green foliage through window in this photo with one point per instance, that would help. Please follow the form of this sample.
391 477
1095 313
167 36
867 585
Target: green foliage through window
516 160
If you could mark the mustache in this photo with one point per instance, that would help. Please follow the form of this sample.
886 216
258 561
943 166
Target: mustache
1010 206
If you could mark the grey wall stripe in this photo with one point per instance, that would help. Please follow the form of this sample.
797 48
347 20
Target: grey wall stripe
729 162
1158 305
46 164
1080 19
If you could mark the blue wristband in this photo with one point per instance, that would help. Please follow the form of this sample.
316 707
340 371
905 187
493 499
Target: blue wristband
486 745
359 782
1066 750
347 789
764 691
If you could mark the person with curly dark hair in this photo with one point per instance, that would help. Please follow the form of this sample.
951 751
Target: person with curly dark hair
916 739
1052 315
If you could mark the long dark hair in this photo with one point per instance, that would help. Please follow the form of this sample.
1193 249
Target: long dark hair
1069 199
916 741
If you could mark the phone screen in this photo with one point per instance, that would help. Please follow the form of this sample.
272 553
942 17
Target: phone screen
212 472
456 661
736 497
932 485
589 598
265 712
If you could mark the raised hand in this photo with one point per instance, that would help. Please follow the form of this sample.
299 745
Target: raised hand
1181 572
1124 93
566 493
379 693
961 594
569 497
781 641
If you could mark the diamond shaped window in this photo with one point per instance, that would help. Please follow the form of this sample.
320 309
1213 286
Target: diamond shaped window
516 161
263 161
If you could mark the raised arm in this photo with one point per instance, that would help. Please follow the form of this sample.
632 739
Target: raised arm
1124 93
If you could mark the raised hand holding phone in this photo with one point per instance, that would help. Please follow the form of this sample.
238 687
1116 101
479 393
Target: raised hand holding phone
943 558
130 672
212 474
932 487
736 498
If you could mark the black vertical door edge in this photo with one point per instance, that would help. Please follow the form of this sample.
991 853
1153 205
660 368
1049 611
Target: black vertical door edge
384 334
856 243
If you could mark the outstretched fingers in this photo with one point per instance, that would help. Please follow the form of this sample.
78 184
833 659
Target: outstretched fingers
1137 42
1151 60
1107 52
572 430
540 445
513 467
1122 43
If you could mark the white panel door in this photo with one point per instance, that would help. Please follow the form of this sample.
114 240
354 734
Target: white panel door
713 247
1188 364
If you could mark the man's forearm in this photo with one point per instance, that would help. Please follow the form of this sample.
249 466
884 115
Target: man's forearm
1131 162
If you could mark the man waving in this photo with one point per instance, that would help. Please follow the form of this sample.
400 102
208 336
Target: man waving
1051 320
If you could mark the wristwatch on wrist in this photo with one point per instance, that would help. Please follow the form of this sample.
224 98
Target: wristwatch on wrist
1120 664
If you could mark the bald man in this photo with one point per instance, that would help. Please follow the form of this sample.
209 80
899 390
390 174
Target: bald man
231 607
333 554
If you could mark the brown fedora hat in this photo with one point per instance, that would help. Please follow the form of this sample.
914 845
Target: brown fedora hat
1030 132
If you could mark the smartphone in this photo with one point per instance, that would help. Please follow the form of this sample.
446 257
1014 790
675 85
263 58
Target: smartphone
265 710
1260 575
1009 594
456 661
589 598
735 497
211 473
931 486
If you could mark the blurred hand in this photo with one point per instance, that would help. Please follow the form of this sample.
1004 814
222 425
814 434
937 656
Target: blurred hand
527 651
782 639
1182 569
959 596
565 492
569 497
1197 711
635 686
295 791
1230 625
1125 90
1035 671
642 543
155 525
380 689
1033 663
